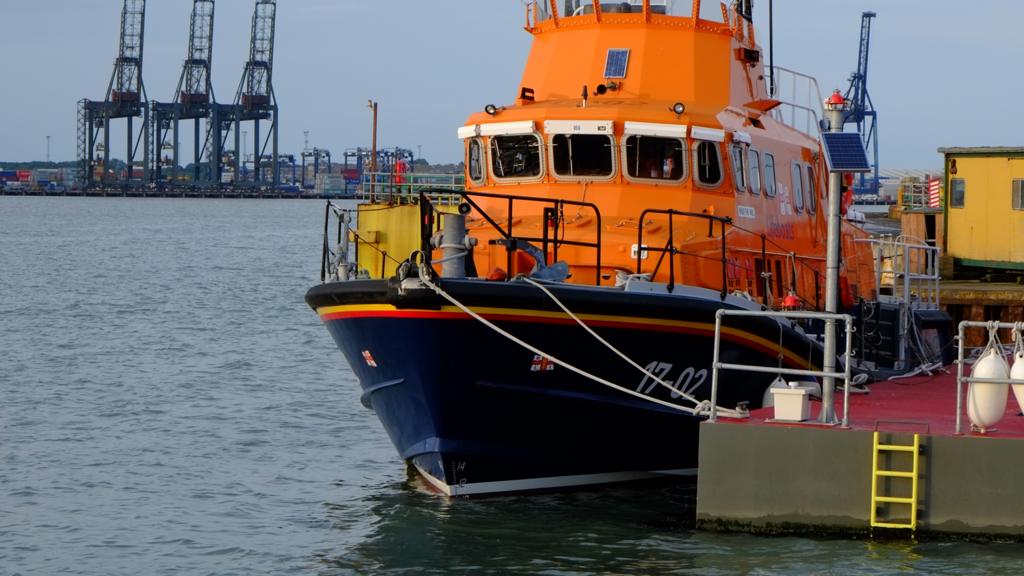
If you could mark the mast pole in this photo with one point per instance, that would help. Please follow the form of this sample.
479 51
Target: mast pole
835 109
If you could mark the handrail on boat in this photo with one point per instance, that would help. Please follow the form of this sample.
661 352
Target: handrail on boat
554 222
827 395
671 249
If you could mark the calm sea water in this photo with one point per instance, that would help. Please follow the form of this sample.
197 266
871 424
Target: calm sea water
168 405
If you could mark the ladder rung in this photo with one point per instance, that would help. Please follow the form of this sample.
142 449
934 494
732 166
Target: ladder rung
892 525
895 448
895 474
894 500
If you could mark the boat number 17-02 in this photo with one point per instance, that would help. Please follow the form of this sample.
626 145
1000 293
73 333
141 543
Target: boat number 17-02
687 383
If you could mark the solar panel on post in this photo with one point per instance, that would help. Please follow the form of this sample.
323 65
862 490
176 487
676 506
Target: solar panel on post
844 152
617 62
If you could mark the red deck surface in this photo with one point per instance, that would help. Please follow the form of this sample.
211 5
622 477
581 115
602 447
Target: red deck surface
922 404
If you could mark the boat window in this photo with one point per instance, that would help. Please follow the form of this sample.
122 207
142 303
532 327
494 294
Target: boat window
582 155
515 156
1018 194
651 158
739 168
543 9
673 7
755 172
798 193
811 189
708 163
957 193
769 175
669 7
710 11
476 161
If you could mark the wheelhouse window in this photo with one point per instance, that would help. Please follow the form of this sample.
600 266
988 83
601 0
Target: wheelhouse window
476 161
755 172
669 7
1018 195
811 190
798 192
708 163
652 158
542 8
515 156
739 168
770 185
582 155
957 193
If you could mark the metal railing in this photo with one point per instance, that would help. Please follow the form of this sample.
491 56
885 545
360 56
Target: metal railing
801 101
913 271
671 249
405 188
909 269
827 393
553 223
1017 328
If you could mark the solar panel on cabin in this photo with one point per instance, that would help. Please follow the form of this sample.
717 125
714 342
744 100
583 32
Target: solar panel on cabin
844 152
615 65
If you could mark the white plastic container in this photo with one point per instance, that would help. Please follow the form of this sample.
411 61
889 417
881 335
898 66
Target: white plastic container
792 404
986 403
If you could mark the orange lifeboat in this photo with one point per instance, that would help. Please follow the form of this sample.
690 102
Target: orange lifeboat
642 180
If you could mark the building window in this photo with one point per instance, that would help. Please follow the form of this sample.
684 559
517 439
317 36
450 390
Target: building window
650 158
798 191
739 168
582 155
515 156
708 162
476 161
811 189
1018 194
957 193
755 172
769 175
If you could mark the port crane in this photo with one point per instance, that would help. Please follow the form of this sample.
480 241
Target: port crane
194 97
125 99
255 101
862 111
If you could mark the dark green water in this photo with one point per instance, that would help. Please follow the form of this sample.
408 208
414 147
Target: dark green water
168 405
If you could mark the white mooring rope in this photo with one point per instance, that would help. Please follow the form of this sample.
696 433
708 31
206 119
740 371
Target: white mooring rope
701 408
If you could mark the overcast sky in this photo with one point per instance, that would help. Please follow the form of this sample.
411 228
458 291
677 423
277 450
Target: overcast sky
943 72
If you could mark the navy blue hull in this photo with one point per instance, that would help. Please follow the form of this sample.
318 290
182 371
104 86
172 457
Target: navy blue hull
477 413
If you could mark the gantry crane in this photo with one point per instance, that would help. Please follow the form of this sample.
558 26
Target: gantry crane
125 98
193 98
862 111
255 102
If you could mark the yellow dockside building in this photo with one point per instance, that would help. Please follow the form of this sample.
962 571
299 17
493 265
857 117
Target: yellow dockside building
984 225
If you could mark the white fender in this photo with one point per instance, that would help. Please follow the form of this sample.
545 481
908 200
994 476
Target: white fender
986 403
1017 374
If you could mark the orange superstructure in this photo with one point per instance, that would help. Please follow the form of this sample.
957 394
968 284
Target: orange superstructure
629 110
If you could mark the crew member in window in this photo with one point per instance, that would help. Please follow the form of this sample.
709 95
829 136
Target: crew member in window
668 168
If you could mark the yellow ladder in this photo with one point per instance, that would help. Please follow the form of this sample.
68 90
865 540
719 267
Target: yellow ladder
915 451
